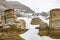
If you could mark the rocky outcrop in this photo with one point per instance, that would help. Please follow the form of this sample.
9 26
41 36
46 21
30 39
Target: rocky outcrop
11 28
36 21
53 30
55 23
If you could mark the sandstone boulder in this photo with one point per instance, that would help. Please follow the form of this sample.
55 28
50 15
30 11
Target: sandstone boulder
36 21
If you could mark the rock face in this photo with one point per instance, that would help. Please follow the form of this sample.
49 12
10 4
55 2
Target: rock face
43 29
55 23
10 15
21 24
11 28
55 14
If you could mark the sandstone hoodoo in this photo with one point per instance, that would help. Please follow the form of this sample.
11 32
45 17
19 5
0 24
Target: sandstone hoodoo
10 27
10 15
54 23
53 30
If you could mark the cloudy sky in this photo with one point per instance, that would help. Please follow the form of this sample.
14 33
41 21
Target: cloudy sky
40 5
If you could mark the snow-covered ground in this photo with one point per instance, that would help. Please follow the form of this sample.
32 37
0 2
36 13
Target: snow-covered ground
32 33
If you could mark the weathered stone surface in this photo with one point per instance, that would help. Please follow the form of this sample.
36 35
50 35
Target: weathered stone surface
43 32
54 23
43 29
42 24
36 21
10 34
55 18
10 15
55 14
20 24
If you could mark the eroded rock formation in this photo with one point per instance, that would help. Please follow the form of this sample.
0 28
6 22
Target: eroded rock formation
54 23
10 28
53 30
36 21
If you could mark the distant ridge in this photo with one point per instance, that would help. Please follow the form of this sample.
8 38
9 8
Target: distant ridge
15 5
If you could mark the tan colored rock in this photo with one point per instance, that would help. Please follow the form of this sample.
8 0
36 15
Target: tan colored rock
42 24
11 29
21 24
36 21
10 15
43 29
54 23
10 34
55 18
55 14
53 30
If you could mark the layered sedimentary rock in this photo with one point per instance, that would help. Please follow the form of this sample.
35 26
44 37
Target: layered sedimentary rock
10 15
12 27
53 30
54 23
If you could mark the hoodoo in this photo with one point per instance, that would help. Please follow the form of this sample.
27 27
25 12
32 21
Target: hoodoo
10 28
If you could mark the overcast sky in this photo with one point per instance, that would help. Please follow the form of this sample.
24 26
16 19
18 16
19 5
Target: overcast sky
40 5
